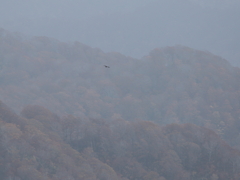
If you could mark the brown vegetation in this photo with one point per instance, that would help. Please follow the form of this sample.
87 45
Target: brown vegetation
172 115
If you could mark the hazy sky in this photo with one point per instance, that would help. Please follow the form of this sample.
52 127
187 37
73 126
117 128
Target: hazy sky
55 8
131 27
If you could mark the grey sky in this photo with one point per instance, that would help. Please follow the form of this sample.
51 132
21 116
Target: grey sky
131 27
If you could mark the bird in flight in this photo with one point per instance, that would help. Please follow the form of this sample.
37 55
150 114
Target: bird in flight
106 66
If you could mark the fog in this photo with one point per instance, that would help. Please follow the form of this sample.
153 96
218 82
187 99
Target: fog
130 27
166 107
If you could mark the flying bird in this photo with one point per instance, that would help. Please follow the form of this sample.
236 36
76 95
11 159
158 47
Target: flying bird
106 66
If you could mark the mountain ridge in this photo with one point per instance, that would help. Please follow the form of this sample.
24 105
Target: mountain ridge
172 115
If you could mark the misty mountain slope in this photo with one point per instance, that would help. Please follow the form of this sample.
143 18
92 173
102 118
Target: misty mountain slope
195 86
80 120
29 149
170 85
35 146
143 150
38 146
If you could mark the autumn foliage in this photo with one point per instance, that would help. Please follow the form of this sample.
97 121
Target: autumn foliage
172 115
75 148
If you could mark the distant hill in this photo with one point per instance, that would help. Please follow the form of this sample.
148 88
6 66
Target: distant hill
132 28
170 85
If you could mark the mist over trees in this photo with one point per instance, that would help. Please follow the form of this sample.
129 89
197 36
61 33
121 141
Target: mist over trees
171 115
170 85
41 145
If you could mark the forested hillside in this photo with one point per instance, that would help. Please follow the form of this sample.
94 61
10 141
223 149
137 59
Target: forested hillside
174 114
31 149
170 85
41 145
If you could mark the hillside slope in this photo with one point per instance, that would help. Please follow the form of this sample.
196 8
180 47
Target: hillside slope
170 85
40 145
30 150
